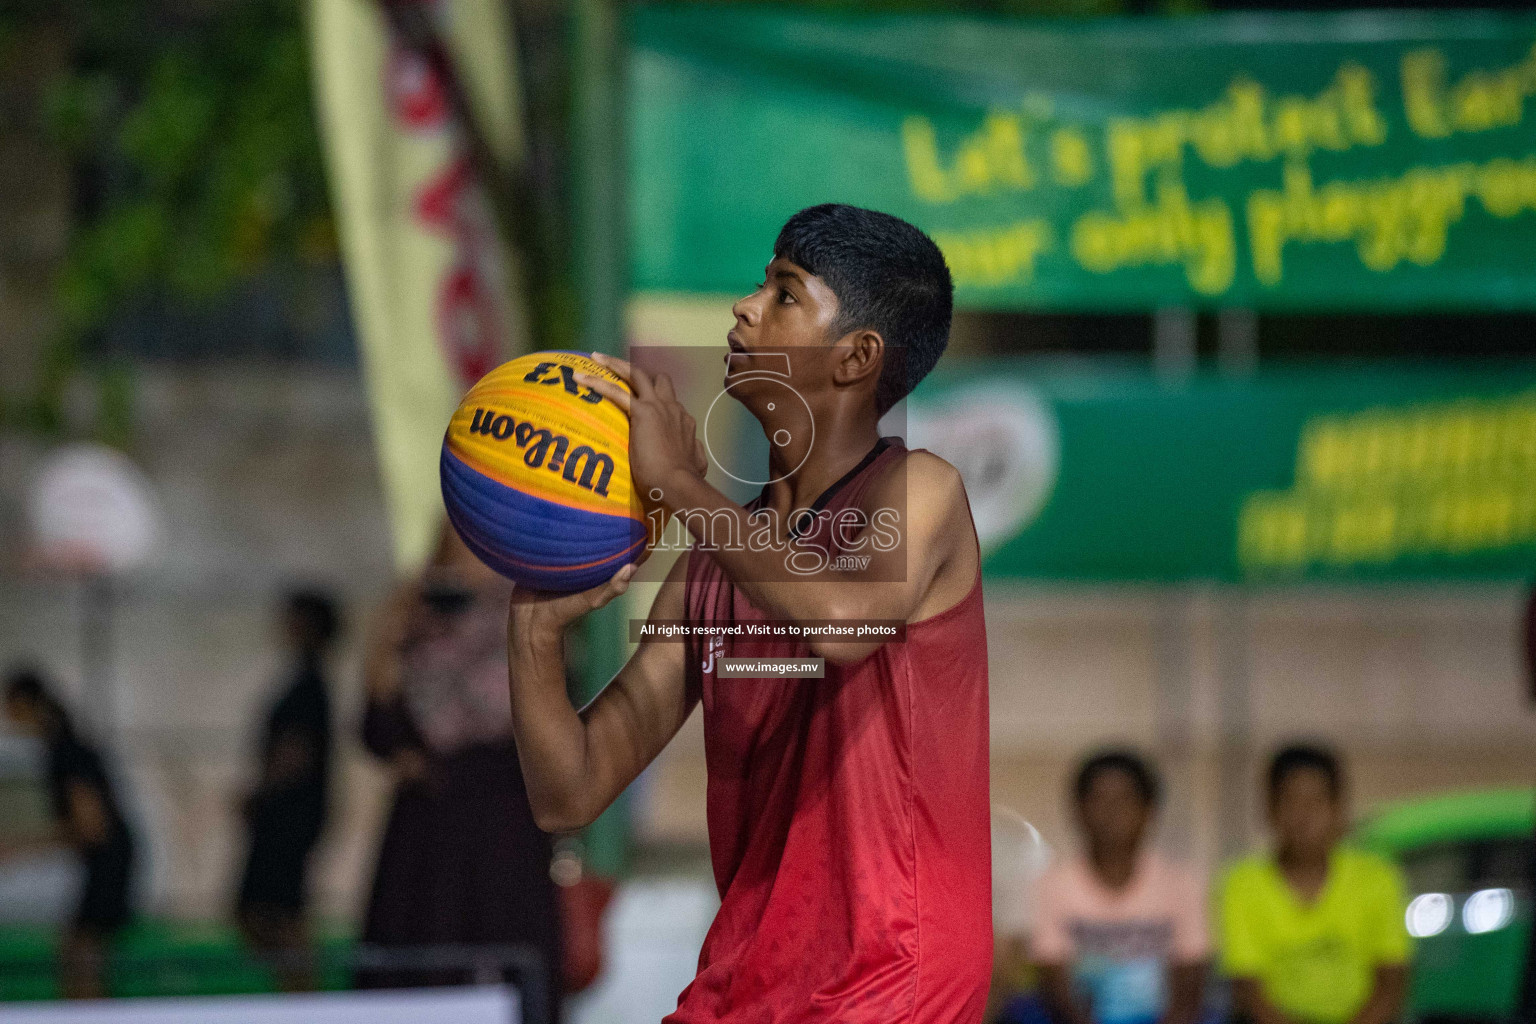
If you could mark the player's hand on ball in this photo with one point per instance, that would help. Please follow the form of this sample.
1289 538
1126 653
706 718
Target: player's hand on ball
663 437
544 610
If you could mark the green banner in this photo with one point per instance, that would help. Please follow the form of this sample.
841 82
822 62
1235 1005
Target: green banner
1344 161
1394 473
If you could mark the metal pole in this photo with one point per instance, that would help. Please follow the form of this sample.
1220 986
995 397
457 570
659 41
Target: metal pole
1235 714
1237 355
1527 1006
1174 678
598 158
1237 342
597 136
1175 357
1175 354
98 692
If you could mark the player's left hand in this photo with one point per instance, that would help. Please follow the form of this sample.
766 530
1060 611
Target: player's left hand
663 437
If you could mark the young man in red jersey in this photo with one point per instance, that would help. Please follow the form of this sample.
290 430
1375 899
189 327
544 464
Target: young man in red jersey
848 815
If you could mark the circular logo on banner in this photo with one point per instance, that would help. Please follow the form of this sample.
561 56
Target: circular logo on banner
91 508
1004 441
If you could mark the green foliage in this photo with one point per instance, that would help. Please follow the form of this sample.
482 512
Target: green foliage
206 136
196 153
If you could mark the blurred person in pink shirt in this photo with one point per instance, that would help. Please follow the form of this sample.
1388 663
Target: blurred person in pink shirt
1120 936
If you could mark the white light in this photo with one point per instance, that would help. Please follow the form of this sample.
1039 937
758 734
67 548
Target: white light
1429 914
1488 910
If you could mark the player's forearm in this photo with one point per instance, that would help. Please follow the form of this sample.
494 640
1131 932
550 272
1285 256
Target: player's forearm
763 572
723 527
764 575
551 736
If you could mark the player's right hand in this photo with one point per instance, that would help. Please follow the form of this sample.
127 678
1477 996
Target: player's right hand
544 611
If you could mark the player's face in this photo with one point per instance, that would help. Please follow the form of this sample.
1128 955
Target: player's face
1113 813
782 329
1305 812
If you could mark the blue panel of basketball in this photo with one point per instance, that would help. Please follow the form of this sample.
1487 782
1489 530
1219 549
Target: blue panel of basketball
555 544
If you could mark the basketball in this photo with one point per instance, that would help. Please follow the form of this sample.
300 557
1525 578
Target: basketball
535 475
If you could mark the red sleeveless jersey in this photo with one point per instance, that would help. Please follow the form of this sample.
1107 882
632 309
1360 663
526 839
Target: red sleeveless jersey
849 819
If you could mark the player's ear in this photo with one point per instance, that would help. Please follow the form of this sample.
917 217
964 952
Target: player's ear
858 356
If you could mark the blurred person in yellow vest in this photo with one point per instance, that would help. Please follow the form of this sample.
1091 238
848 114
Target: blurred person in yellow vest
1312 932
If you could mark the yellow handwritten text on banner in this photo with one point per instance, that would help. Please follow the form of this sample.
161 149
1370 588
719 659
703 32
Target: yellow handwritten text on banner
1372 487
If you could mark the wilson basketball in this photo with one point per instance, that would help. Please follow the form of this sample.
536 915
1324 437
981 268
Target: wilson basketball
535 475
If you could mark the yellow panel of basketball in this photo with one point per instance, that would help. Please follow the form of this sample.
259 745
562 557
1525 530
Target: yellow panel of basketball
529 426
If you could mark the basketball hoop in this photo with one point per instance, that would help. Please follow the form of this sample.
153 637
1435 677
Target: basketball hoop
92 516
91 512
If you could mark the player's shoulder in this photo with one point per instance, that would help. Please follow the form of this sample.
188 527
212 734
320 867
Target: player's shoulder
920 462
926 475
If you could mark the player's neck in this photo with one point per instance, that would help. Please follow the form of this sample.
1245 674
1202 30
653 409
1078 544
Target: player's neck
841 442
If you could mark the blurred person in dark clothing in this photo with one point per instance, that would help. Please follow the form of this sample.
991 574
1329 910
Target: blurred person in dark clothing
1120 932
90 821
461 861
285 811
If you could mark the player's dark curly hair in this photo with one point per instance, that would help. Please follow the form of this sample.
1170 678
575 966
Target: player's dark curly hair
1136 767
1303 757
888 277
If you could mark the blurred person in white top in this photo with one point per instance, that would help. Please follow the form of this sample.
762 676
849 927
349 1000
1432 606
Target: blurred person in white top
1120 934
